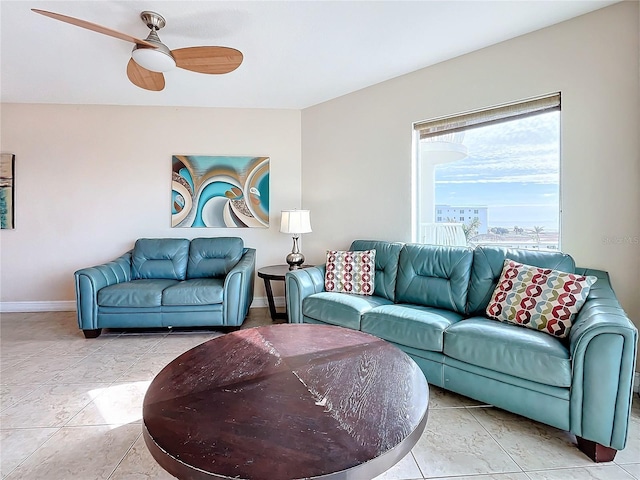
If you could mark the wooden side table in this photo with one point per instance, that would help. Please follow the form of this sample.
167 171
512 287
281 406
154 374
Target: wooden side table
274 272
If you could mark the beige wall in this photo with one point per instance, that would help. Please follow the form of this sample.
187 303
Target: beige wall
356 149
92 179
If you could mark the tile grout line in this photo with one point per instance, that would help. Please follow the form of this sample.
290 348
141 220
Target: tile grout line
417 464
108 385
586 467
15 402
124 456
496 440
33 453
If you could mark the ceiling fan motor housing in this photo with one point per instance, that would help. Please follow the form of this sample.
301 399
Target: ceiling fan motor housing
158 59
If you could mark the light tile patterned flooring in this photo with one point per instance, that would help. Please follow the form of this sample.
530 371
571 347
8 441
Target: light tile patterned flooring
71 409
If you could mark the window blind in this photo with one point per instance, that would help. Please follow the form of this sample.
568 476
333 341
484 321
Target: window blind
500 113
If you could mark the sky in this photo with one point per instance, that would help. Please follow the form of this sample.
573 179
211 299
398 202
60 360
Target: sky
512 168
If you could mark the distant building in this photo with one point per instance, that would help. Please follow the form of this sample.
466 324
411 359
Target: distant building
463 214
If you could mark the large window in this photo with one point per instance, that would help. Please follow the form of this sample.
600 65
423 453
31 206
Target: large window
492 176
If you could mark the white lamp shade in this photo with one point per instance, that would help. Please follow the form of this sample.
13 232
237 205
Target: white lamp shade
295 221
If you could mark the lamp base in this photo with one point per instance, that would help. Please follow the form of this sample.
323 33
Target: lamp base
295 260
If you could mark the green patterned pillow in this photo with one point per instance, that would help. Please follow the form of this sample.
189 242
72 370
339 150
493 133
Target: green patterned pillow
350 272
538 298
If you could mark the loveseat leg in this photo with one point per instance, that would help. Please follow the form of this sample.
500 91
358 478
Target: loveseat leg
595 451
92 333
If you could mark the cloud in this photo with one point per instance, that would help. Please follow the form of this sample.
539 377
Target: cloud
524 151
547 178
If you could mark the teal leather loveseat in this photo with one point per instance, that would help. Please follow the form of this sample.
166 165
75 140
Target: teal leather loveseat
430 301
168 282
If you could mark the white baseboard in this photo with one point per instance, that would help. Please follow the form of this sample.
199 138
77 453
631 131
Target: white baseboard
70 305
51 306
260 302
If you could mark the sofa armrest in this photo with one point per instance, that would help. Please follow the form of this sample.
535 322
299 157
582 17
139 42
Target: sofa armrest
238 289
299 284
603 346
90 280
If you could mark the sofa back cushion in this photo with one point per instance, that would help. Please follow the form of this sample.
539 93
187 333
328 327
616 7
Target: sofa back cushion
160 258
387 256
213 257
487 267
434 276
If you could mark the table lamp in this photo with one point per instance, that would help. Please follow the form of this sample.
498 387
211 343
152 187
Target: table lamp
295 222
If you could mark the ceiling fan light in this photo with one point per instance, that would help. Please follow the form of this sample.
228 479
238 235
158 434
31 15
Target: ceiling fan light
153 59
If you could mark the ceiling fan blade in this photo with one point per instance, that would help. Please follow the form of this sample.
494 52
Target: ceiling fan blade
143 78
213 60
93 26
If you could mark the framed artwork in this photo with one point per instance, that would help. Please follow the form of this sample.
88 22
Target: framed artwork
7 166
219 191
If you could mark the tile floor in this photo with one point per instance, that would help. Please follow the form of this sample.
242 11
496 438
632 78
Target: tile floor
71 409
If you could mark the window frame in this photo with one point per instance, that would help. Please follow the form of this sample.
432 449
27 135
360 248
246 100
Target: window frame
474 119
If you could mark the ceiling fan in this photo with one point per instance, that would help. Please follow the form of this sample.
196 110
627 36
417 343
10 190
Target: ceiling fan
151 57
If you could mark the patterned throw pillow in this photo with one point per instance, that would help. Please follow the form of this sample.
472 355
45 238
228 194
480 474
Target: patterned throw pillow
350 272
538 298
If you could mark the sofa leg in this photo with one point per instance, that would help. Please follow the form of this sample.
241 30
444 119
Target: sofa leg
92 333
595 451
228 329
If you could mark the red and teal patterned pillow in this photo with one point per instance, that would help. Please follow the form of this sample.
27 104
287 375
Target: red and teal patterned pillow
538 298
350 272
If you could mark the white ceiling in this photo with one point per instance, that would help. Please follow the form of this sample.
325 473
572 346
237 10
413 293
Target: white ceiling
296 53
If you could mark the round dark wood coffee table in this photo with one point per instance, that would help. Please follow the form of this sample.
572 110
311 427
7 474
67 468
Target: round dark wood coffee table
286 402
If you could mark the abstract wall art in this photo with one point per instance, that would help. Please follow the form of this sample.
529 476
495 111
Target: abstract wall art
7 165
219 191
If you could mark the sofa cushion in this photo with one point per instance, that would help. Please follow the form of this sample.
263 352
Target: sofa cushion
213 257
339 308
387 256
487 267
137 293
509 349
410 325
434 276
539 298
160 258
195 291
350 272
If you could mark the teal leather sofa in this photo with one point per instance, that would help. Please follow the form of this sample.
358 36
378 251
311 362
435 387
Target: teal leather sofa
168 282
430 302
